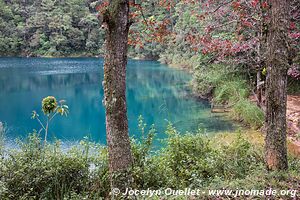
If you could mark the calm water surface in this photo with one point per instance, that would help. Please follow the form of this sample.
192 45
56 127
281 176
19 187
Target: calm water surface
158 93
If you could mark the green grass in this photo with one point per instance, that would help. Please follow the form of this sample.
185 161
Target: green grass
248 113
229 160
227 86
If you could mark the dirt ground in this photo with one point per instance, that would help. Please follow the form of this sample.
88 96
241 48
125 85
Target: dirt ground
293 121
293 115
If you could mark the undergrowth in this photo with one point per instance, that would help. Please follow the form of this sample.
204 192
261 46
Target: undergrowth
228 87
191 160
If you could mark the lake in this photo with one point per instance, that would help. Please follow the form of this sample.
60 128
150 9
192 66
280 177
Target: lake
159 93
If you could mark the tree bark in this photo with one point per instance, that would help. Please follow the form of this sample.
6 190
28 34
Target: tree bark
115 61
276 86
258 88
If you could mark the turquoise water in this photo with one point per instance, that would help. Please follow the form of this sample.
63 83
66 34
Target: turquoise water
158 93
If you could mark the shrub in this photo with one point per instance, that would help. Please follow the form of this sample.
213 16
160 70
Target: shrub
227 87
206 79
37 172
293 86
240 158
231 91
189 159
235 93
2 139
249 113
148 167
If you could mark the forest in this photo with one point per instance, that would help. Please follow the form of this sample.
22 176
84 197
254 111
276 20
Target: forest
49 28
194 99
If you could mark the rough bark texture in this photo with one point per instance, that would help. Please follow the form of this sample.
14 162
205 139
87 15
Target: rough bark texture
119 150
276 88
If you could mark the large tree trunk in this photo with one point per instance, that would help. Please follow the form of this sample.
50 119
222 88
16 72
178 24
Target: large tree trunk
119 150
276 86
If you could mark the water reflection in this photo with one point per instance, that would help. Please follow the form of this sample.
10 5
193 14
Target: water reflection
158 93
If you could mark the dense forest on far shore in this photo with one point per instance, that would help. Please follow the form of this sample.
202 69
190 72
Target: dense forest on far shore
49 28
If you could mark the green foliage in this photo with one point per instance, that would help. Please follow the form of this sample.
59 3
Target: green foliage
293 86
146 161
235 94
194 161
49 28
49 104
207 78
240 158
190 159
231 91
249 113
50 108
34 171
37 172
226 85
2 140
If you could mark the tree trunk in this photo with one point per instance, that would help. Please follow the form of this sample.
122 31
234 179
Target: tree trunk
258 88
260 56
119 150
276 86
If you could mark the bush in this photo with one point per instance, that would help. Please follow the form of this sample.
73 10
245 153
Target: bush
207 78
227 87
235 94
249 113
240 158
293 86
37 172
190 160
2 139
231 91
194 161
147 170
